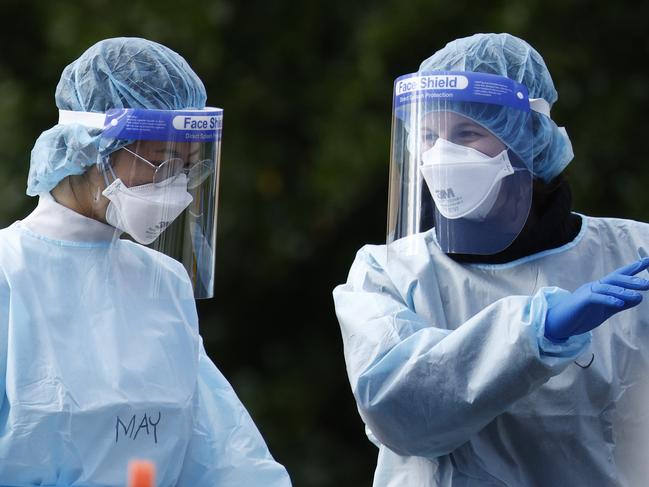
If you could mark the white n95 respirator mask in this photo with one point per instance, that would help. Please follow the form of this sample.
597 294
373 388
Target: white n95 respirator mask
145 211
463 182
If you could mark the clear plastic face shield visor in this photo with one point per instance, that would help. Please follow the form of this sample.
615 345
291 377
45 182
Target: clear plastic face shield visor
460 160
162 184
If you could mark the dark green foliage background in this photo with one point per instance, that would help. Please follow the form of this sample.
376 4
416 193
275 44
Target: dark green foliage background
306 87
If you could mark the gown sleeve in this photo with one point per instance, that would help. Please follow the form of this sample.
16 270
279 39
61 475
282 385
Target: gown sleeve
226 449
424 390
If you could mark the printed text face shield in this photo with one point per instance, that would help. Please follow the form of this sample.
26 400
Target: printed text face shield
460 161
162 185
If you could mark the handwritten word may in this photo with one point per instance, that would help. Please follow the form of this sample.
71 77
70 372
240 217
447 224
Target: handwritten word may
129 431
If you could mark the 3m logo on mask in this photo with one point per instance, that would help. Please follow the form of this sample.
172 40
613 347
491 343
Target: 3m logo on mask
444 194
156 230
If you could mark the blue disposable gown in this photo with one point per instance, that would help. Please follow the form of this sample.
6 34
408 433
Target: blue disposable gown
457 385
100 364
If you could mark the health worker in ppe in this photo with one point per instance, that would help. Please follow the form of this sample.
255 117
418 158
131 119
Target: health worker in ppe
101 361
497 338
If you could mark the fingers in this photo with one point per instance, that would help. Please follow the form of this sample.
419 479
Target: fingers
621 297
628 282
607 301
633 268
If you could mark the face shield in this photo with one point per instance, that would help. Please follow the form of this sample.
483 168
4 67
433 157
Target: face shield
162 184
460 161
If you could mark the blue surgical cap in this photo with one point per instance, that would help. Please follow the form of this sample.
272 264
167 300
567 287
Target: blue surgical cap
509 56
125 72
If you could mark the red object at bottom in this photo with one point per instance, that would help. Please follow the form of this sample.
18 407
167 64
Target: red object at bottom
141 473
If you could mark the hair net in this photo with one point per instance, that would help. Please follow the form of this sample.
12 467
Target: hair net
124 72
509 56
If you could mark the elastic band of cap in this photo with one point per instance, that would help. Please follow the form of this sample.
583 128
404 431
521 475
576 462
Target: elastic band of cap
88 119
539 105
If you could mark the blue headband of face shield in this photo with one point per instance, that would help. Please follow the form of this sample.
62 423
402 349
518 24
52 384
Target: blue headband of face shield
466 86
190 125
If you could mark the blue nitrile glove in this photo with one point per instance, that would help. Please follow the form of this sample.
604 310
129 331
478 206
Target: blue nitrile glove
595 302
